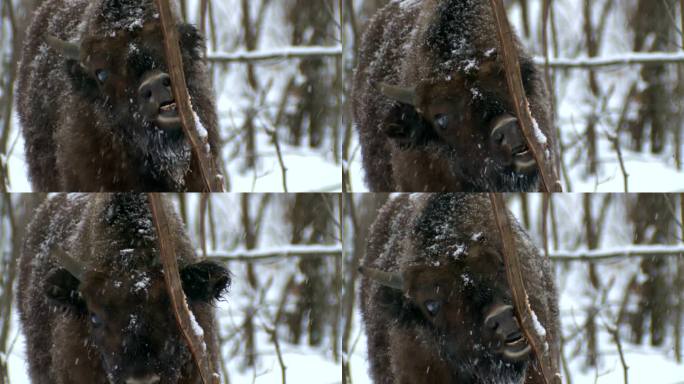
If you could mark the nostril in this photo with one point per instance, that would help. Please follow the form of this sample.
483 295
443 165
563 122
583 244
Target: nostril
146 93
497 314
493 325
166 81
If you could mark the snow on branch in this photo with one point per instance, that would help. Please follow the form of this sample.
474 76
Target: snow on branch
301 52
286 251
631 58
276 54
632 251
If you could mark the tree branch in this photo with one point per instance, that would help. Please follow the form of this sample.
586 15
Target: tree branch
550 180
212 180
167 254
632 251
631 58
287 251
525 314
284 53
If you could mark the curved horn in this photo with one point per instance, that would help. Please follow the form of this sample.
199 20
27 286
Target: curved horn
406 95
71 51
388 279
70 264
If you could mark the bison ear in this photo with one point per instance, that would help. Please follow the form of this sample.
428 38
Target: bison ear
191 40
205 281
61 290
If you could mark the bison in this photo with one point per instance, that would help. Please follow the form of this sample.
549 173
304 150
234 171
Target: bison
434 298
92 298
431 102
95 100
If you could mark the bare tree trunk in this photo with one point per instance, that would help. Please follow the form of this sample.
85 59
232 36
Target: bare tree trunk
657 115
592 50
592 243
250 36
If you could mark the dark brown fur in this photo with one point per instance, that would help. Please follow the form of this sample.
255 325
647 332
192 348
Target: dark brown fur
447 50
85 136
447 241
116 320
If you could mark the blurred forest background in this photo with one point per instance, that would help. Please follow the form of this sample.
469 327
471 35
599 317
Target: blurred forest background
619 261
277 74
285 256
617 79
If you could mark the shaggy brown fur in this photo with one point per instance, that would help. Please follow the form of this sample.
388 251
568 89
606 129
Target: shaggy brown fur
446 248
114 323
447 50
84 134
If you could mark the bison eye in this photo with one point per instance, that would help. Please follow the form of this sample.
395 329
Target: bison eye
102 75
441 121
433 307
95 320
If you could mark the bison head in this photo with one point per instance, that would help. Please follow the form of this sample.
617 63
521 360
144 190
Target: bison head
468 120
119 69
465 308
127 315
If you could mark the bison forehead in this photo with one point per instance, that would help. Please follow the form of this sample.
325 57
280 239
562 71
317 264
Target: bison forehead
447 224
130 214
112 16
128 287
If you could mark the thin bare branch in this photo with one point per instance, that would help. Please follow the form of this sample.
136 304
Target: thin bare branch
547 362
167 254
632 251
285 53
212 180
289 251
550 181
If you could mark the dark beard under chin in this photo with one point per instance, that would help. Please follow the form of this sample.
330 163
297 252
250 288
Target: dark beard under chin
165 156
482 367
498 178
496 371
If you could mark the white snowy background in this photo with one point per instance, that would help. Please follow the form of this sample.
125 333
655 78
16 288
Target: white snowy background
647 365
308 169
575 104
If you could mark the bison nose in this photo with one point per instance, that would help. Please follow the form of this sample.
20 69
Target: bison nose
156 89
501 320
156 101
151 379
507 140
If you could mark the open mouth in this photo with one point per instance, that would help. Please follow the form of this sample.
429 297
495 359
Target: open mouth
168 117
523 159
515 347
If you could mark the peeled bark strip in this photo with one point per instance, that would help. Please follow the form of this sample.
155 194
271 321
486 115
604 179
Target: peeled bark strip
211 178
167 254
550 180
523 311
